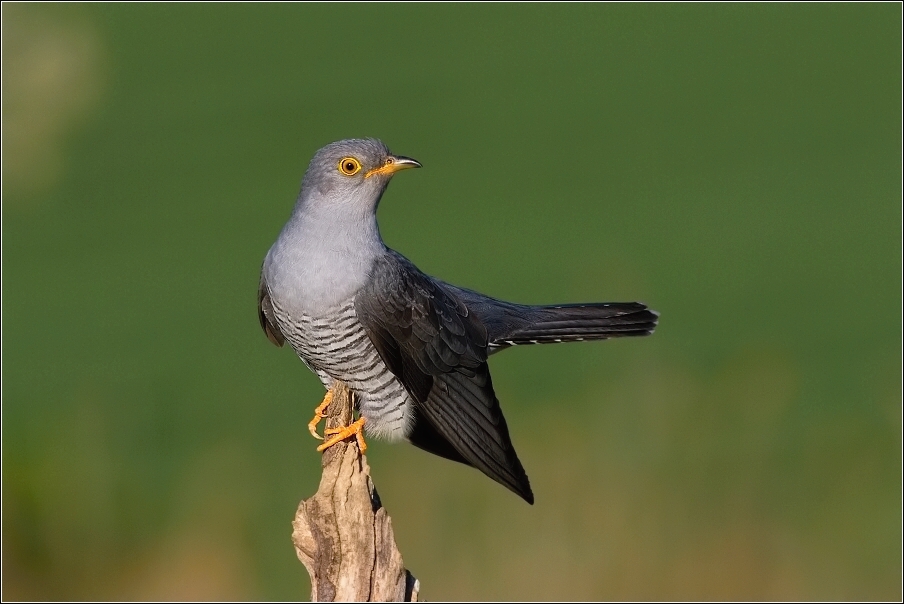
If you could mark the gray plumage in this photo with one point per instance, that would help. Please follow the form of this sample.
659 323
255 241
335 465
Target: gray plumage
413 348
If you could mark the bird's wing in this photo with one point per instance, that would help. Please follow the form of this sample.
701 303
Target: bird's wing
437 348
266 315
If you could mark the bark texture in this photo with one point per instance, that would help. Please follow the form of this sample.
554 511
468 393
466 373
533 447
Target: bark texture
342 534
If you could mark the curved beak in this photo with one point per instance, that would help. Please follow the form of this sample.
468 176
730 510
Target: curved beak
393 164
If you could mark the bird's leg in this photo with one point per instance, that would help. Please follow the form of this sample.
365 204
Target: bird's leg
340 434
319 413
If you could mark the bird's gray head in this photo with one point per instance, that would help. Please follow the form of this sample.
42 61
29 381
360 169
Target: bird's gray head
353 171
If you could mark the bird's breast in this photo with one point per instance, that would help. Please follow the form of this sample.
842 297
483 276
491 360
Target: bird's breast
313 273
314 277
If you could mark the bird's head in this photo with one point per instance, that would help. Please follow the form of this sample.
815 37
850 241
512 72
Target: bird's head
353 171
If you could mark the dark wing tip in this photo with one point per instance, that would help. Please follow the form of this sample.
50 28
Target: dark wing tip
265 316
274 337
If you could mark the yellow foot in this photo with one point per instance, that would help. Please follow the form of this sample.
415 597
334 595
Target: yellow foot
319 413
340 434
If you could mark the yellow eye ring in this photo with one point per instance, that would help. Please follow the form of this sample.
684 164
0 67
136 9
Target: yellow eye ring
349 166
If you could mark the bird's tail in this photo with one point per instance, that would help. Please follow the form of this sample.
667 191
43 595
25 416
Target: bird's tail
577 322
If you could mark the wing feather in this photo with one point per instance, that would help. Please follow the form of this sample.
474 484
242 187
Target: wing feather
266 315
437 348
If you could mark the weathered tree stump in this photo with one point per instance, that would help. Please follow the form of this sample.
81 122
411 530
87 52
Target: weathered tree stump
342 534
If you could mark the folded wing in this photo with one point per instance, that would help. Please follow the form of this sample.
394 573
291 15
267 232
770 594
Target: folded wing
438 349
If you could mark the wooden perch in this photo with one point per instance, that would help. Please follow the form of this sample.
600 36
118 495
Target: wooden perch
342 534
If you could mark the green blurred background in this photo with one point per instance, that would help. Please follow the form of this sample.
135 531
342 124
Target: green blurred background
737 167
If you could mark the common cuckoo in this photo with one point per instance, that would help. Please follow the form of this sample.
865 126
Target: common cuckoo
413 349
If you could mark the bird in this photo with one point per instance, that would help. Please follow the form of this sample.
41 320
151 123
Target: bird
413 349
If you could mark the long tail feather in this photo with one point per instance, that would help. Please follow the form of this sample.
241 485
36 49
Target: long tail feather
577 322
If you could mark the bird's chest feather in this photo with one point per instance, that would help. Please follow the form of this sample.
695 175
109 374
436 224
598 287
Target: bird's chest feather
313 277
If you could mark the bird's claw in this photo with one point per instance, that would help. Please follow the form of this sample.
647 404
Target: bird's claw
319 414
339 434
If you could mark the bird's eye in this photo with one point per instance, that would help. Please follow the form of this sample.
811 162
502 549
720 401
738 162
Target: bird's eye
349 166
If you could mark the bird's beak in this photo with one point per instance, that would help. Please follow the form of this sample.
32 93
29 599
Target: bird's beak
393 164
